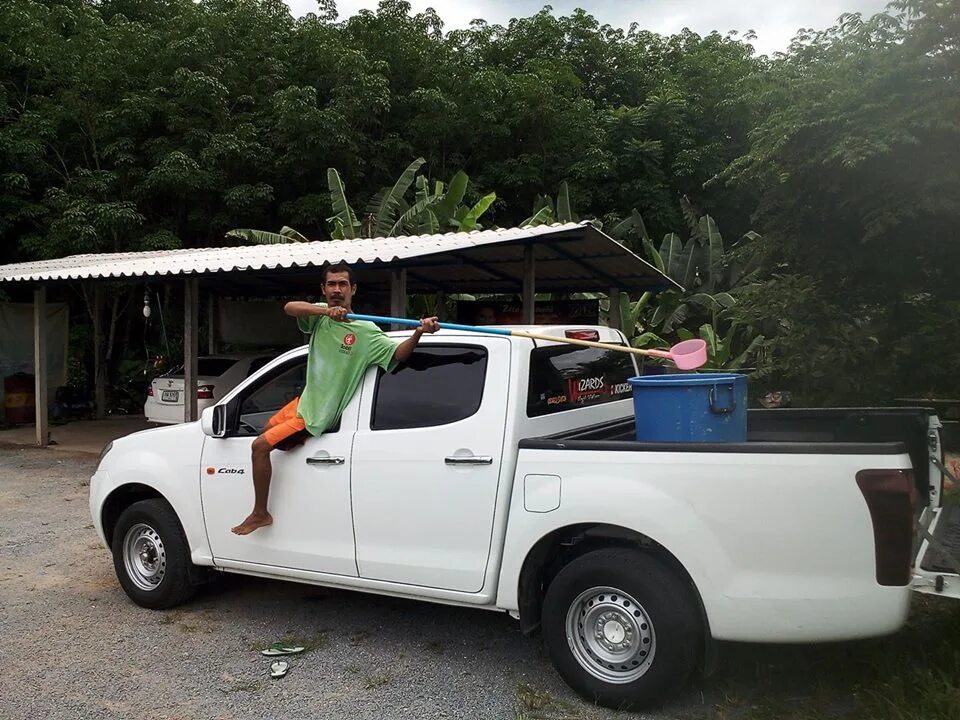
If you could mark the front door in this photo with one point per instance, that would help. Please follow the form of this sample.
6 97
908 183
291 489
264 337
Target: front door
426 466
309 493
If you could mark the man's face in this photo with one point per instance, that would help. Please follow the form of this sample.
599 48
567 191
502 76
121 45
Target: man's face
337 289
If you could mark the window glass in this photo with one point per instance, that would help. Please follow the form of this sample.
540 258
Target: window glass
258 363
214 367
562 378
270 395
439 384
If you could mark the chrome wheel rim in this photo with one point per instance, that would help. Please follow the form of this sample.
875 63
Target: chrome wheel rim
144 556
610 635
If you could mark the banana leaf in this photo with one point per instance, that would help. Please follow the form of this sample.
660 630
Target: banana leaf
713 241
469 221
262 237
410 217
451 199
541 217
690 216
564 213
654 256
389 205
348 223
671 250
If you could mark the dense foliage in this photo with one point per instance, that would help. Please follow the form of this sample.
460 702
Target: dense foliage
144 124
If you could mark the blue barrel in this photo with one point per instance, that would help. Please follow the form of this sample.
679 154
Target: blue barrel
690 407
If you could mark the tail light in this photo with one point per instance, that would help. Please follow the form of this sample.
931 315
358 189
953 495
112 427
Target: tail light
205 392
150 391
891 497
591 335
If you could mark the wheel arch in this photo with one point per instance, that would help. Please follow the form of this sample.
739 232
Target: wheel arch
120 499
560 546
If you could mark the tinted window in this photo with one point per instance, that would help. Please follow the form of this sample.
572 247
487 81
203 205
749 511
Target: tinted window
214 367
438 385
257 363
562 378
271 394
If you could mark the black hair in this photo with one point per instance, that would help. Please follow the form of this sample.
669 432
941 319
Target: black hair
339 268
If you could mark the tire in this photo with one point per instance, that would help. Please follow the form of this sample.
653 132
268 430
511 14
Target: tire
151 557
645 628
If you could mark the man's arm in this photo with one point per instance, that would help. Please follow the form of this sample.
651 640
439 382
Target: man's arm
405 349
299 309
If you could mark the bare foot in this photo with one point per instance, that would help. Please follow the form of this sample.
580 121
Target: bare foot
254 520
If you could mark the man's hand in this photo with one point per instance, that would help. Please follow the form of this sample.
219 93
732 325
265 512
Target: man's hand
337 313
429 325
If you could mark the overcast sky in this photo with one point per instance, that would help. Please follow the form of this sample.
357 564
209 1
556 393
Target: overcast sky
774 21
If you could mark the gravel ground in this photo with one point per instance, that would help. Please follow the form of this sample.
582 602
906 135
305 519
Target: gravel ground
73 646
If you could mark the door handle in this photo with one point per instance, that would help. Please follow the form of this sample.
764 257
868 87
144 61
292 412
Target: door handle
468 460
325 461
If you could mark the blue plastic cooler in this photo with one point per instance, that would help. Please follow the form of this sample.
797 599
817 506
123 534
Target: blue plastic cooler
690 407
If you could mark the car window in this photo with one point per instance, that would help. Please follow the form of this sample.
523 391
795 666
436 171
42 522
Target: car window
214 367
271 394
439 384
563 378
258 363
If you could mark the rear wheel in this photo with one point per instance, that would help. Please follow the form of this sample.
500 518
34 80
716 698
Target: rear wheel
621 628
151 557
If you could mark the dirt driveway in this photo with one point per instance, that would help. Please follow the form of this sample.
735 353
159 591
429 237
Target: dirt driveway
73 646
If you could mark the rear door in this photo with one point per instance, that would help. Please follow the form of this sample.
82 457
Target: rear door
426 465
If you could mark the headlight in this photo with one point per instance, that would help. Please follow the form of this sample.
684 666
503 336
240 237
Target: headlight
103 453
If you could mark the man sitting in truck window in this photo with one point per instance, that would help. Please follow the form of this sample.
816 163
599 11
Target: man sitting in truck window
340 352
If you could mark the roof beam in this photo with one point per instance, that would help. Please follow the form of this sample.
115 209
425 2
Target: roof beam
611 281
499 274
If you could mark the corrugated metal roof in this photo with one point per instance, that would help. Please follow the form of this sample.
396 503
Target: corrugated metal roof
571 256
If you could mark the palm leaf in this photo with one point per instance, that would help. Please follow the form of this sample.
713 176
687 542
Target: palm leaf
469 221
341 206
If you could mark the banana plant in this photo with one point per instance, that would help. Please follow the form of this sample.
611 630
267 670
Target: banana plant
263 237
545 212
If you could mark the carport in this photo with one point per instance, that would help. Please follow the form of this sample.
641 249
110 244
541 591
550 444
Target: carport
572 257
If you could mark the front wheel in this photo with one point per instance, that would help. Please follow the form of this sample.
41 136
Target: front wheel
151 557
621 628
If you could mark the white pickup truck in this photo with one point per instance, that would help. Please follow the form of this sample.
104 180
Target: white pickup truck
502 473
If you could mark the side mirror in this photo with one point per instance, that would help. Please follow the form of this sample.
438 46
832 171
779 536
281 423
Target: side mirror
212 421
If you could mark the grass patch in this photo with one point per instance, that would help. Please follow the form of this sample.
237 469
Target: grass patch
914 674
535 704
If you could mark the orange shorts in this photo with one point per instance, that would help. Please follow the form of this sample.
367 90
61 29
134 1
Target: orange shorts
285 430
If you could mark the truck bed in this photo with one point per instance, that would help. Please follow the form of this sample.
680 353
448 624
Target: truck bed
847 431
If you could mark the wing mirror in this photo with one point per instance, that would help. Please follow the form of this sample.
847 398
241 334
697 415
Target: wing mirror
213 421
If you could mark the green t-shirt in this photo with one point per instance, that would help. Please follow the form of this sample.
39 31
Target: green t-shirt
340 353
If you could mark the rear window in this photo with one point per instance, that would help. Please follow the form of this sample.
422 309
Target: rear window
214 367
563 378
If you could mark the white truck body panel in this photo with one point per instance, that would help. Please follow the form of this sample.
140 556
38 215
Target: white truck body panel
779 546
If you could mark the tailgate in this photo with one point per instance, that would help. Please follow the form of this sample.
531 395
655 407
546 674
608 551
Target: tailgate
937 566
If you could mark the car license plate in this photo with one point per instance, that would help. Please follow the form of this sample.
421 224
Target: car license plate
170 395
